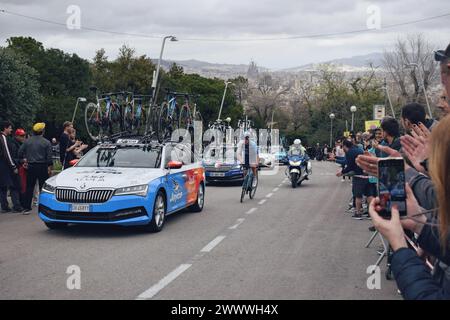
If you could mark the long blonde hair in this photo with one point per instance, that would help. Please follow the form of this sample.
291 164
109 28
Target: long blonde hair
440 174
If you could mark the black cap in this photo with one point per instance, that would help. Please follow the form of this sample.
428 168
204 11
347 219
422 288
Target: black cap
442 55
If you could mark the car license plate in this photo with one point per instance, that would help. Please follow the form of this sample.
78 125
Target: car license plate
80 208
217 174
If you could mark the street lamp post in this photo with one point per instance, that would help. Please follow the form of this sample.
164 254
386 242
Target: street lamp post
353 110
155 86
82 99
156 75
332 116
223 99
422 84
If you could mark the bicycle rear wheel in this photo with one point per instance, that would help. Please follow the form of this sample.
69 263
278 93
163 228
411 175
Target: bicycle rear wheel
185 119
164 123
93 121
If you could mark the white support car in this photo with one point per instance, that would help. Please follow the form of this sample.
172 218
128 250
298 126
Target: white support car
126 184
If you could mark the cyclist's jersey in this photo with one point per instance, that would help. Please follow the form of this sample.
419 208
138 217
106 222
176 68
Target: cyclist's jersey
248 153
296 151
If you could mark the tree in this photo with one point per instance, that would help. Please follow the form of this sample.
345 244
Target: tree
263 99
62 77
414 49
19 89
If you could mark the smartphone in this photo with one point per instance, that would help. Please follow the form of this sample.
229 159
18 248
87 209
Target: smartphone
391 186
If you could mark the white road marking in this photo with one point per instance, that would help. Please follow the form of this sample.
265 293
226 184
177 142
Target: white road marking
239 222
280 185
276 189
269 195
212 244
251 210
164 282
262 201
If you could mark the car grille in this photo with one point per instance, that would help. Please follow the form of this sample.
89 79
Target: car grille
220 169
90 196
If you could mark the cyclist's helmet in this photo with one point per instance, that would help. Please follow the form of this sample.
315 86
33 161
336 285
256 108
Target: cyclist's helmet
246 134
297 141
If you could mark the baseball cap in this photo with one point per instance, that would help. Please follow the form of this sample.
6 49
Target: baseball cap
20 132
442 55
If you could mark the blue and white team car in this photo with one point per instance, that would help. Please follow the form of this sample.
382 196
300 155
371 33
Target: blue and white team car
127 183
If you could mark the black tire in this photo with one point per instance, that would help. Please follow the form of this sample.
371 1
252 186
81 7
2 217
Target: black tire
200 202
243 192
159 212
294 180
163 123
184 118
93 125
56 225
253 190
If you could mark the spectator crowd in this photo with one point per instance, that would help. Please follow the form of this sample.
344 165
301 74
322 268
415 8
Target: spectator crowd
26 162
419 242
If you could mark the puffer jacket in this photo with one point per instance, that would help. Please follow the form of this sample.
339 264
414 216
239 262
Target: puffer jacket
413 278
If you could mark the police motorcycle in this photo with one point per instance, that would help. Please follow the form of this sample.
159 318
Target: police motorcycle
299 167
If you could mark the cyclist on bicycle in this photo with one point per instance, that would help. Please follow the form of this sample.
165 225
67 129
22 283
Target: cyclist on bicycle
247 154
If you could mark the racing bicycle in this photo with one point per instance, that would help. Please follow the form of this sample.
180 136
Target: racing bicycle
103 116
247 185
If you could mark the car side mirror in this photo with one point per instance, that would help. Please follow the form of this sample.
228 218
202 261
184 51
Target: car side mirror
73 162
174 164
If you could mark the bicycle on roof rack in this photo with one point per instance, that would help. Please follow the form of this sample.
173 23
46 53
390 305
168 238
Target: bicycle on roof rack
171 116
105 116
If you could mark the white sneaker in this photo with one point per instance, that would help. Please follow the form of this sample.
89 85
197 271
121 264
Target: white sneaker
255 182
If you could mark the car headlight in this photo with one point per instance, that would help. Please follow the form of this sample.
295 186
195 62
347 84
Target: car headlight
48 188
140 190
237 167
295 163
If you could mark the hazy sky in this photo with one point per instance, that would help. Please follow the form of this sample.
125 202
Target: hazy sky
232 19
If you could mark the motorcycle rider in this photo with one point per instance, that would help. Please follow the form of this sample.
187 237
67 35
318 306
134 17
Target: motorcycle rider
297 149
247 154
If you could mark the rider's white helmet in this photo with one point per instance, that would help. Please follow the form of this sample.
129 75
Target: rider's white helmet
247 134
297 141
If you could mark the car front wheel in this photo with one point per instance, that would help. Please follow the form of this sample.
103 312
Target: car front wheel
159 214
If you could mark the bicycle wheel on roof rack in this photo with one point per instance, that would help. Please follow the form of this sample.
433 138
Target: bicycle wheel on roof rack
93 121
184 118
116 119
164 123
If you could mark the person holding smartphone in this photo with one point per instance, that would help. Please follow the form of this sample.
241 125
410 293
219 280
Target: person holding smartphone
411 274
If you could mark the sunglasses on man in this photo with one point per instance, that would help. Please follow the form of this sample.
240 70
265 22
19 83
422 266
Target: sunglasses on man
440 56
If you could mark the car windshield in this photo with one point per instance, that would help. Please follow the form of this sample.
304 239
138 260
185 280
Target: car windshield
122 157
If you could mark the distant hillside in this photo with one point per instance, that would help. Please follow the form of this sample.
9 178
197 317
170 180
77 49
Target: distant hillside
351 64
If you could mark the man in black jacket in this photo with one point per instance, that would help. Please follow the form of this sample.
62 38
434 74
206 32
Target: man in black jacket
37 155
8 171
360 182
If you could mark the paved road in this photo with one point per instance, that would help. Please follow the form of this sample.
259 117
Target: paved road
284 244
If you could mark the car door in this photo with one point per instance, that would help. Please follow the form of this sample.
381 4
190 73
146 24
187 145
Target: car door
175 181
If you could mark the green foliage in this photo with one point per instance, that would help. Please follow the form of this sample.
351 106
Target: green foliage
19 89
62 78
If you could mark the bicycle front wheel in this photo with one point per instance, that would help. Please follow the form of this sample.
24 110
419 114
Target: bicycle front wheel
93 121
253 189
244 190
